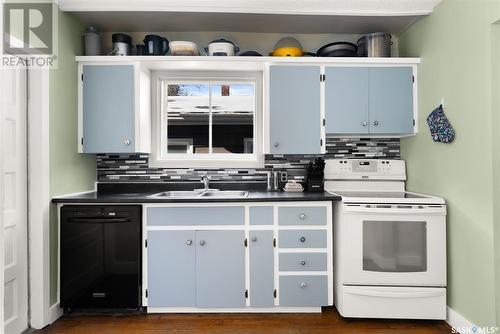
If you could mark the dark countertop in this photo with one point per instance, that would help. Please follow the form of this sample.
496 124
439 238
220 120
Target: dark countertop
142 197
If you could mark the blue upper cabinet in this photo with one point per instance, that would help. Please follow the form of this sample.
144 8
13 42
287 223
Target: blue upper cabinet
391 100
346 100
114 100
369 100
108 109
295 110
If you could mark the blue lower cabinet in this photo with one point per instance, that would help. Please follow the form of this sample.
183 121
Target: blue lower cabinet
220 269
171 269
303 290
261 268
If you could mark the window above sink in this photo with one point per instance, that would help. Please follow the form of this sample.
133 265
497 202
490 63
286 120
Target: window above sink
208 120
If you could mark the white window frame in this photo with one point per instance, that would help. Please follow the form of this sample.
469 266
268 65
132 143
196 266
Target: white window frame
206 160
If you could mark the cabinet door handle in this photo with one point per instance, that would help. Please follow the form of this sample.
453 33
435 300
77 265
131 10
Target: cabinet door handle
276 144
254 239
302 239
376 123
202 242
303 285
189 242
302 216
126 142
302 262
365 123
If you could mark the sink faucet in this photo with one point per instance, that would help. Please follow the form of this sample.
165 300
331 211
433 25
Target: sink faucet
206 182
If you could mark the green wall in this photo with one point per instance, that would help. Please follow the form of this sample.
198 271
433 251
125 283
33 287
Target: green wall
69 171
455 44
496 155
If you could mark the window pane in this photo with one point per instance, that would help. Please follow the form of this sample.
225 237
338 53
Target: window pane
394 246
233 111
187 118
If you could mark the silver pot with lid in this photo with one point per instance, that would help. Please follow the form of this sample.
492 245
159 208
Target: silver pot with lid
121 44
377 44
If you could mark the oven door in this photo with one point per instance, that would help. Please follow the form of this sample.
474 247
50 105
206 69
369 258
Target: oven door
394 244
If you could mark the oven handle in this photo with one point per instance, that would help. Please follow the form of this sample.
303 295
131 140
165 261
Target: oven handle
97 220
394 209
389 294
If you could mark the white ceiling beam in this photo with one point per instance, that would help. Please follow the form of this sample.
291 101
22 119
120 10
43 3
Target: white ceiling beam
282 7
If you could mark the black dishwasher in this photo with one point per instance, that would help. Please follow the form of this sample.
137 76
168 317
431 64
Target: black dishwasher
100 257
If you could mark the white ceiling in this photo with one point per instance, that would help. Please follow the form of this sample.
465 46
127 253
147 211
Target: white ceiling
283 16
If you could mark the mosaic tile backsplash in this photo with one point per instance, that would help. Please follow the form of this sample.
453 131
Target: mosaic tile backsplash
135 167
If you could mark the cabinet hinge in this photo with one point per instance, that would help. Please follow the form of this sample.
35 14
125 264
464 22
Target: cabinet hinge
146 293
324 122
82 141
245 242
413 122
246 293
322 77
321 142
274 243
412 78
146 243
82 76
275 293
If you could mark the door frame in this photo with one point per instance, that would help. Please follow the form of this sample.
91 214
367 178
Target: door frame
42 312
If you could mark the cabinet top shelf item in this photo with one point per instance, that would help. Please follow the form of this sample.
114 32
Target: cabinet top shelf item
240 63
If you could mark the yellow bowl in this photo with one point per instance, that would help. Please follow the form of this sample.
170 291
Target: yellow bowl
287 52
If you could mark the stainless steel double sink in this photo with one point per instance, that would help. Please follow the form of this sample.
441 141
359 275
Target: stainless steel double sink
200 193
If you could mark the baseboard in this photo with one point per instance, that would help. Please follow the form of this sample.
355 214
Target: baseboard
458 322
55 312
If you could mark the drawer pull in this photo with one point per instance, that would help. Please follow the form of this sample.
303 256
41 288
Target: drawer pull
302 239
202 243
189 242
302 262
303 285
302 216
254 239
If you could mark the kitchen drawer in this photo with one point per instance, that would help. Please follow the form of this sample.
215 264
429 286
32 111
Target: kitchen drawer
302 238
303 290
302 216
216 215
303 262
261 215
393 302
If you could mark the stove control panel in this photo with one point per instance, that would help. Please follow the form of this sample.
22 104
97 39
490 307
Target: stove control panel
365 169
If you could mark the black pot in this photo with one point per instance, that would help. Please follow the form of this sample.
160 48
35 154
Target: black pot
338 49
250 54
155 45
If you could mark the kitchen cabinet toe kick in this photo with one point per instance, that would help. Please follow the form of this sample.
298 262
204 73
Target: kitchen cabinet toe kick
277 309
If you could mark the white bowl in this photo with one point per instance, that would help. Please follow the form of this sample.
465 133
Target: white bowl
183 48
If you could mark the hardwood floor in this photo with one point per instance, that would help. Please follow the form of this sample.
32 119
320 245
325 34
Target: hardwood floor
327 322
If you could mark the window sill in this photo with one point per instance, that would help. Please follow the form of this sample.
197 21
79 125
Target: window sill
195 162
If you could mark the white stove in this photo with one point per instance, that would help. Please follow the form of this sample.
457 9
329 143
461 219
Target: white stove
389 244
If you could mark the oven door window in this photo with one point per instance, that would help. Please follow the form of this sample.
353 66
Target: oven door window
394 246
